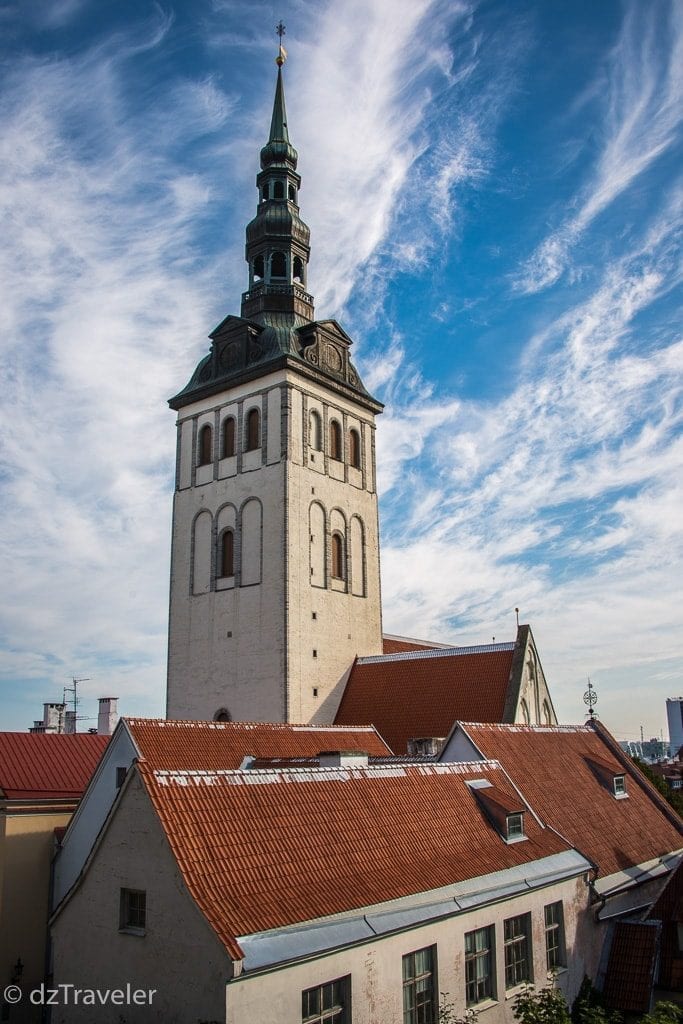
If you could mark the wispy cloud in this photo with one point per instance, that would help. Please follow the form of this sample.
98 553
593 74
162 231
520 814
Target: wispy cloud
643 104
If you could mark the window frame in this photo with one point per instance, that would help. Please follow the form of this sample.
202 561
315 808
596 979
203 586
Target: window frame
336 441
337 556
519 968
555 949
514 827
253 434
227 532
229 437
133 911
474 994
336 1012
205 451
315 430
619 786
414 986
355 458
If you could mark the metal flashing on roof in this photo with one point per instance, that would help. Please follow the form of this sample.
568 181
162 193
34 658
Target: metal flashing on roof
438 652
265 950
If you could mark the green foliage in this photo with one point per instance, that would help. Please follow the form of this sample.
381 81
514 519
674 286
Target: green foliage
671 796
663 1013
447 1014
588 1007
547 1006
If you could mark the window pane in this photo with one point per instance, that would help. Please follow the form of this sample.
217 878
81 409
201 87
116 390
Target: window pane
418 987
516 932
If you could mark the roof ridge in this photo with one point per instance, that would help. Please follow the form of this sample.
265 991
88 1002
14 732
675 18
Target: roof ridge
437 652
273 726
337 773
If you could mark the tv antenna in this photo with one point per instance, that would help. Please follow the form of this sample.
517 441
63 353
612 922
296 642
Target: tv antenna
73 690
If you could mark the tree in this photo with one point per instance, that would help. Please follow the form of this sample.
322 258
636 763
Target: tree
545 1006
671 796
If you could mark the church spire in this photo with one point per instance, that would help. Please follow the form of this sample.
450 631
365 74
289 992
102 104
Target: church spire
277 248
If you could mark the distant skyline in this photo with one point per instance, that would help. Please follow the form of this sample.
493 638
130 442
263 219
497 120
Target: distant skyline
494 193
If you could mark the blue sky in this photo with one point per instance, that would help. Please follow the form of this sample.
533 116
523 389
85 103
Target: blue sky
494 192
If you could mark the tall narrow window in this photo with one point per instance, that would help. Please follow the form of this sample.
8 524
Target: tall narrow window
227 553
253 430
258 268
228 437
266 191
419 1006
278 265
554 936
278 190
205 446
291 192
133 911
354 448
327 1004
335 440
479 966
337 556
315 431
298 270
517 942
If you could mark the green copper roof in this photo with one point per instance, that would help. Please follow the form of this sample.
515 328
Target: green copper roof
278 148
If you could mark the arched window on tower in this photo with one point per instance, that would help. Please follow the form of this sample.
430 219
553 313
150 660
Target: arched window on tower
354 448
278 190
227 554
222 715
337 556
228 437
278 265
253 438
258 269
298 270
292 193
205 446
315 431
335 441
266 190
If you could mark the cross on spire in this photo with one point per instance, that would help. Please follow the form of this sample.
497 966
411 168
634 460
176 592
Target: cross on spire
282 53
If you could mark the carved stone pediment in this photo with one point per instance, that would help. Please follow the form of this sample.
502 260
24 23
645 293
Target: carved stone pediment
325 345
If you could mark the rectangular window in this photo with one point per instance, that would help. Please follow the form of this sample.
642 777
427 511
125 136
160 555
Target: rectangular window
619 785
120 777
133 911
419 1005
327 1004
515 826
554 936
517 943
479 966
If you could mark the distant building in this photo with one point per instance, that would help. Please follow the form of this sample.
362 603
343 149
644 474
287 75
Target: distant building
42 777
674 716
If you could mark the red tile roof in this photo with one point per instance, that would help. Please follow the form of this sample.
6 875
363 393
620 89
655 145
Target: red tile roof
179 745
47 766
555 768
402 644
266 849
631 966
420 694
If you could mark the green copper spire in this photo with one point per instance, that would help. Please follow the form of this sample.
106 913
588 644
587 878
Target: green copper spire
278 124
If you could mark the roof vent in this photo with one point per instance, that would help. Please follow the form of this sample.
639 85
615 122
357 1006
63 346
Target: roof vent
343 759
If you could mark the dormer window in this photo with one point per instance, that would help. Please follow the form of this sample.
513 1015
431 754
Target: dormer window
620 786
514 824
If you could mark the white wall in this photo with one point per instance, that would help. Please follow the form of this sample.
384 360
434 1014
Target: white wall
179 955
375 968
91 813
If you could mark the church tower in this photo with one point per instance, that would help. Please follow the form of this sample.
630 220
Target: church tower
275 551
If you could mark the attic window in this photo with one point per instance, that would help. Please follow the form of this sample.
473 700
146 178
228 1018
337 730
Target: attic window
620 786
514 824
